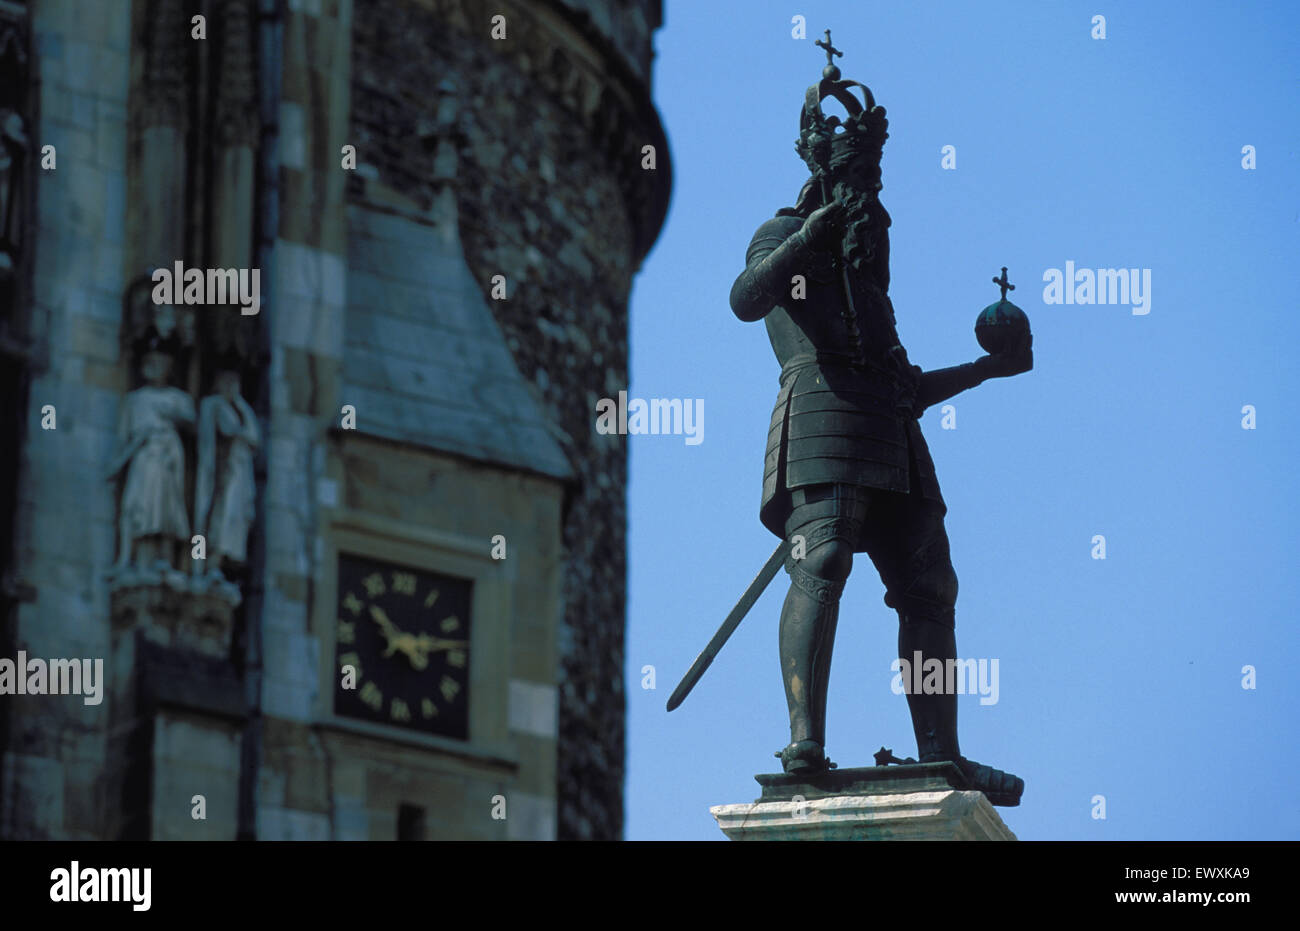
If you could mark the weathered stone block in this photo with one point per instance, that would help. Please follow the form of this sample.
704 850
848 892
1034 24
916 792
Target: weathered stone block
948 814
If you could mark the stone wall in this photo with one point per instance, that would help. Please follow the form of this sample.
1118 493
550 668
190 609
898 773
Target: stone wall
539 135
51 778
375 308
417 507
476 158
626 25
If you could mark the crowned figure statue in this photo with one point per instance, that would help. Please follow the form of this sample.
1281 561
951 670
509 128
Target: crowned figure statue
847 470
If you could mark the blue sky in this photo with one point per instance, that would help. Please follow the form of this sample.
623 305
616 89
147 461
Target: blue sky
1119 677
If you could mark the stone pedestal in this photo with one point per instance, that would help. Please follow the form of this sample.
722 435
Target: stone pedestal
926 801
177 705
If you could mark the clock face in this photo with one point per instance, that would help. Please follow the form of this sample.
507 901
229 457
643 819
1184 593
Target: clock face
405 633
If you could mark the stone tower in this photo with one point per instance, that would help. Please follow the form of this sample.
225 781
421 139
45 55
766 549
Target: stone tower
423 636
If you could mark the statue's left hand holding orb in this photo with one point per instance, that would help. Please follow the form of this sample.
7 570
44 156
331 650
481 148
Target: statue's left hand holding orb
1013 360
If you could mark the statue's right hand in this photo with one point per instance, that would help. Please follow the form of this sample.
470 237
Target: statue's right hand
823 222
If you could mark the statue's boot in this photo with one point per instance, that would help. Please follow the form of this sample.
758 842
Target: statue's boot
999 788
934 716
805 756
807 635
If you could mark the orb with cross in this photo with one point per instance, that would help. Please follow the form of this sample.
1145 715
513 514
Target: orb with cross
1001 326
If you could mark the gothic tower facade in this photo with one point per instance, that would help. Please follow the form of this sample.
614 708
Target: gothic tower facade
306 530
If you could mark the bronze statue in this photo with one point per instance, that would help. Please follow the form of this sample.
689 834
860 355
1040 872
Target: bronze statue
847 469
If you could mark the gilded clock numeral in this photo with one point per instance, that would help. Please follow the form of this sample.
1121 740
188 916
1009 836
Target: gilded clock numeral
347 632
450 624
398 710
428 708
430 598
404 583
371 695
449 687
352 659
456 658
374 584
352 603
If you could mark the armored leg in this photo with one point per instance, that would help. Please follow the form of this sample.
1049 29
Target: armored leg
922 586
926 617
823 526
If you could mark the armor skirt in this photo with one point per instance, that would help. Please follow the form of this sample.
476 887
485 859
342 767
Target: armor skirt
836 423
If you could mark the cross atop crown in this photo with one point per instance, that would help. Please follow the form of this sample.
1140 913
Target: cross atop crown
830 71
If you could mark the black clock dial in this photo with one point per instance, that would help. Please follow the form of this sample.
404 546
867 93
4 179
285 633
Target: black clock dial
405 633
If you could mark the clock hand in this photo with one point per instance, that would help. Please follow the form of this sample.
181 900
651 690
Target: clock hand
390 631
428 643
380 618
400 640
417 649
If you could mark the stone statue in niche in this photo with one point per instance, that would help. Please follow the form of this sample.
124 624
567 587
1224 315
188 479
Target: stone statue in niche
150 464
224 487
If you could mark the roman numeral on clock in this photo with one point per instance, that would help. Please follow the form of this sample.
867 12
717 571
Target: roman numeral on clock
449 687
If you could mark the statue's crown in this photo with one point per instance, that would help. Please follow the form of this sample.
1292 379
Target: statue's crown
826 142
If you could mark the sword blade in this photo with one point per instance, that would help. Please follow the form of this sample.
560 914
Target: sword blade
707 655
